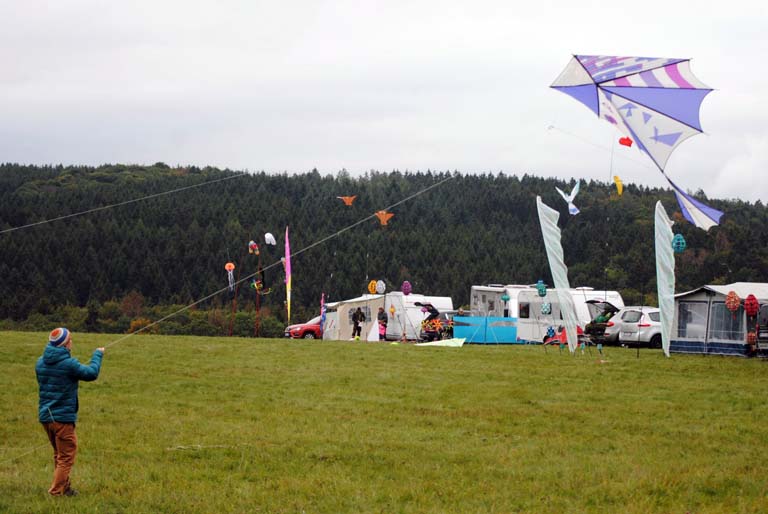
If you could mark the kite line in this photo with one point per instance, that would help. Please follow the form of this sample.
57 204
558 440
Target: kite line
306 248
597 145
196 302
126 202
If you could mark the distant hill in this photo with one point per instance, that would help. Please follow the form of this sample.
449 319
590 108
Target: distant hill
472 229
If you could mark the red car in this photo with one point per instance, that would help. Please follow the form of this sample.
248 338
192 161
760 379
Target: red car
308 330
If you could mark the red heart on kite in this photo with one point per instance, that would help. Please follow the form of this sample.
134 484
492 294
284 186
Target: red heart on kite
625 141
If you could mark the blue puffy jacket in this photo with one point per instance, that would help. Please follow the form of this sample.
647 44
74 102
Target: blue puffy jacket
58 374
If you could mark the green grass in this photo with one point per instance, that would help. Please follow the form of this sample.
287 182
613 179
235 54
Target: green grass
193 424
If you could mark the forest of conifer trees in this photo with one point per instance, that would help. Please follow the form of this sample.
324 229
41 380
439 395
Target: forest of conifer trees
141 260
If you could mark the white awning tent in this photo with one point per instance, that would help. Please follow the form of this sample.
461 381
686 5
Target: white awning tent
404 317
338 319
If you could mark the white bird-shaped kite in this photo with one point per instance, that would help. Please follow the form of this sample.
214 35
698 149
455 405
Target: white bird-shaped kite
569 198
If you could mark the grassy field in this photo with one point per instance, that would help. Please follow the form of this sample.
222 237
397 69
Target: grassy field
193 424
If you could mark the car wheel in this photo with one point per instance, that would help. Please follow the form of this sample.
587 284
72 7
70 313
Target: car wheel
656 341
308 335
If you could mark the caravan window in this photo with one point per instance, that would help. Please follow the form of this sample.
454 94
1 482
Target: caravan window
691 320
525 310
725 325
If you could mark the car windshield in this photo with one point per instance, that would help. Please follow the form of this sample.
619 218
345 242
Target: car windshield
313 321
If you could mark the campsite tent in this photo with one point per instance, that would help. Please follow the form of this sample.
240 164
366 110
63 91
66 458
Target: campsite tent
703 324
406 319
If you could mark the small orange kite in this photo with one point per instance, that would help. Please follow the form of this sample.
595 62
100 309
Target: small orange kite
383 216
347 199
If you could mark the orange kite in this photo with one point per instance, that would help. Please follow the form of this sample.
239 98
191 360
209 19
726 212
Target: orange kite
384 216
347 199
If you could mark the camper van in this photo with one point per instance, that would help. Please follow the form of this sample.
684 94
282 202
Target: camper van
404 315
524 303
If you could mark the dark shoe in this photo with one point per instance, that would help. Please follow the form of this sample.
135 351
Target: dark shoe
70 492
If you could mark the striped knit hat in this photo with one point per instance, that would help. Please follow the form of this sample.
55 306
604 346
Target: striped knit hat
58 336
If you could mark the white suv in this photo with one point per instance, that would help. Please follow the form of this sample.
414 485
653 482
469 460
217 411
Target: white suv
635 326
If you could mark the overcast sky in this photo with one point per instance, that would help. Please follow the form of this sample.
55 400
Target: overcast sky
361 85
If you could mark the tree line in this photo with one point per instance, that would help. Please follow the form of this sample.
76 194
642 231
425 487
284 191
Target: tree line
170 250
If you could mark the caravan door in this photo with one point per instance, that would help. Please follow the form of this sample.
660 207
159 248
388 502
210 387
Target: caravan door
532 325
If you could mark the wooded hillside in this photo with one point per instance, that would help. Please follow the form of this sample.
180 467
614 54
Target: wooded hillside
473 229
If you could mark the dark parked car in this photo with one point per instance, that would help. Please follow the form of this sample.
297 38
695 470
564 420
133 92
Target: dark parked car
436 325
309 330
599 329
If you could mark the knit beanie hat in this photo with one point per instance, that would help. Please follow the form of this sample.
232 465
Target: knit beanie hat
58 336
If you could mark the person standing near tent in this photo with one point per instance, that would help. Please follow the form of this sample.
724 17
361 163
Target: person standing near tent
58 374
382 318
357 318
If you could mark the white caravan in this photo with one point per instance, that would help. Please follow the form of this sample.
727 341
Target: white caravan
524 303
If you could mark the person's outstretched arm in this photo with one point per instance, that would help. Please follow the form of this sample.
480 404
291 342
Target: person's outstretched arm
91 371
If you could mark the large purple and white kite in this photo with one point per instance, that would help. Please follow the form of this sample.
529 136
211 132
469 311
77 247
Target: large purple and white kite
654 101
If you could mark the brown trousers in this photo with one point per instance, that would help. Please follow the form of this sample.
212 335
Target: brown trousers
64 442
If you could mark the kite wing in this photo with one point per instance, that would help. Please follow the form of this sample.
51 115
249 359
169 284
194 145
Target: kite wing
575 190
698 213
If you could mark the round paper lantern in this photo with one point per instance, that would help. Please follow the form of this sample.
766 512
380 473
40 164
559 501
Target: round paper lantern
229 266
751 306
406 288
372 287
381 287
505 297
732 301
541 288
678 243
546 308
